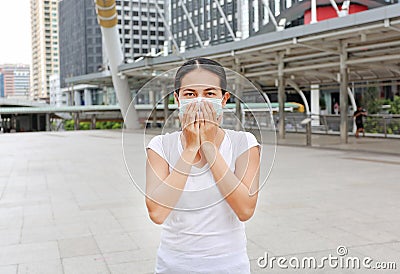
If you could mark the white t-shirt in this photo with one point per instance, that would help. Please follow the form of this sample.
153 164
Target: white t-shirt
202 234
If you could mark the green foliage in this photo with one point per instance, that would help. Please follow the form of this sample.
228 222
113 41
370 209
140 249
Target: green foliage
395 105
374 106
370 100
108 125
84 125
171 99
69 125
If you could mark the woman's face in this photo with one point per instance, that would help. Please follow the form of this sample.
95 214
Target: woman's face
201 83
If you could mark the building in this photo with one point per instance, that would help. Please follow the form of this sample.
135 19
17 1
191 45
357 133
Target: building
81 50
57 97
45 59
291 13
206 22
141 28
1 85
81 47
15 80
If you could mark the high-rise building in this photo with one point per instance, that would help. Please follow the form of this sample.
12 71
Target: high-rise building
81 47
81 50
206 22
16 80
140 26
45 59
1 85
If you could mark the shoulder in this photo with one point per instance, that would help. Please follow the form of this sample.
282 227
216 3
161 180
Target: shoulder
241 141
164 137
162 143
239 136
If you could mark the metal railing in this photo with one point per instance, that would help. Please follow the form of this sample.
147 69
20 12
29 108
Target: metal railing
380 125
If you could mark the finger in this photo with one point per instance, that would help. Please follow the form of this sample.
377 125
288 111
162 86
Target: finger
187 114
209 109
193 113
213 112
197 124
202 120
203 112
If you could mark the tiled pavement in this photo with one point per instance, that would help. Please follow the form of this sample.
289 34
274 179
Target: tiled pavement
67 205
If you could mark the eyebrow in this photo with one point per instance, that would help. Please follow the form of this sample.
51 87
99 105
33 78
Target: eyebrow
189 89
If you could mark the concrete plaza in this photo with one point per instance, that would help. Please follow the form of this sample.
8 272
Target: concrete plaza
67 205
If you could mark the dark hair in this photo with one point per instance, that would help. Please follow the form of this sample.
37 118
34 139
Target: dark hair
201 63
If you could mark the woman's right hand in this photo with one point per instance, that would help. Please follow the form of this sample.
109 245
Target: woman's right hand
190 127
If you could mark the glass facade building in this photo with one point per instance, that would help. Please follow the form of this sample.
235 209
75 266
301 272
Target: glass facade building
81 50
1 85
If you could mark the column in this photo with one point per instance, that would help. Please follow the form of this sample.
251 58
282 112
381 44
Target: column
76 121
77 98
88 97
48 122
281 98
93 121
153 102
343 95
238 107
315 105
165 99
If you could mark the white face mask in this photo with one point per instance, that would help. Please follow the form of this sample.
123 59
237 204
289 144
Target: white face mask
217 104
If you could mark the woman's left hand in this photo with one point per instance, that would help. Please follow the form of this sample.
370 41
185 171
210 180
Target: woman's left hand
208 123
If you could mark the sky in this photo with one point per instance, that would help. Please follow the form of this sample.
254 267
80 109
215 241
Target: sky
15 32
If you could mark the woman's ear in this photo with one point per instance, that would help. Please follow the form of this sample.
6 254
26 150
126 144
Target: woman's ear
176 100
225 98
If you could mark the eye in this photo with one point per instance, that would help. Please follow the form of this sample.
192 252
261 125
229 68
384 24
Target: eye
188 94
210 93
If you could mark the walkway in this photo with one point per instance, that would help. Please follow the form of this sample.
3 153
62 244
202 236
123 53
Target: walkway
67 205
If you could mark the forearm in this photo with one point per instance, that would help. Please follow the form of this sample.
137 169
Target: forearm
166 193
236 193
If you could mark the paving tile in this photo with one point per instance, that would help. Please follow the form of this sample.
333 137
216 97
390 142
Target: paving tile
45 267
112 242
85 265
24 253
78 247
9 269
9 236
136 255
145 267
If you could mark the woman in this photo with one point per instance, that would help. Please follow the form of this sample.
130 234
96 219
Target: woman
202 181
